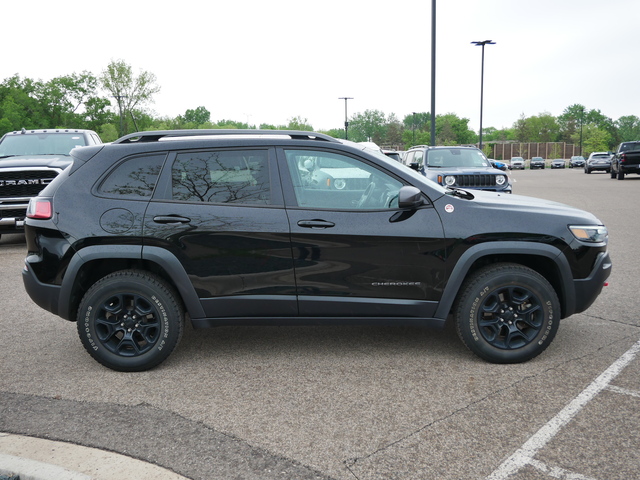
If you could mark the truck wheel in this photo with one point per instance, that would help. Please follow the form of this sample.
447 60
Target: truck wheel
613 174
130 321
507 313
620 175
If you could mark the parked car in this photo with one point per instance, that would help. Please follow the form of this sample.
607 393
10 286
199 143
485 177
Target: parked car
30 160
626 160
558 163
576 161
598 161
228 227
517 163
504 166
464 167
536 162
396 155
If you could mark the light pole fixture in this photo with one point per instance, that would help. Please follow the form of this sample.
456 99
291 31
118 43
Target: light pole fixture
346 121
482 44
414 127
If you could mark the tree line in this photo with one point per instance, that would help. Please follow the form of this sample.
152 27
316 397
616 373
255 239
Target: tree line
116 102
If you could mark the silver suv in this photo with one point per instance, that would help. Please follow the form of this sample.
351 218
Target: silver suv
598 161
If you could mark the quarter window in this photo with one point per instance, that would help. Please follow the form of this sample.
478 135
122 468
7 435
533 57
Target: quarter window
134 178
234 176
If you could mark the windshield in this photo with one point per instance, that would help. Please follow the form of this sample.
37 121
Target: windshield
40 144
456 157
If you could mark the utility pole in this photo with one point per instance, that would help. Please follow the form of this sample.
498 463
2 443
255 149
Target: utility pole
433 72
346 121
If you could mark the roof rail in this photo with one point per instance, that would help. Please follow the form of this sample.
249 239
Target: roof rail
157 135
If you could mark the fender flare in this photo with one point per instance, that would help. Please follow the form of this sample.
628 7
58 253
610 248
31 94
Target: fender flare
156 255
463 265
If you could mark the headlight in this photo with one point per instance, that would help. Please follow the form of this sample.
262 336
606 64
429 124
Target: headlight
590 233
339 183
449 180
501 179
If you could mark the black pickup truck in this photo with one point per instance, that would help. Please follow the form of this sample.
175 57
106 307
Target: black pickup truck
626 160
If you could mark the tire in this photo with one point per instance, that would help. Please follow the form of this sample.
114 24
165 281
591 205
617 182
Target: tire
130 321
613 174
620 175
586 170
507 313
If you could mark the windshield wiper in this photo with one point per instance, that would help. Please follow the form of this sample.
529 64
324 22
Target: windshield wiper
459 192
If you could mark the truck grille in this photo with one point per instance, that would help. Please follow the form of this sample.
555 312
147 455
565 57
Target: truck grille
476 180
24 183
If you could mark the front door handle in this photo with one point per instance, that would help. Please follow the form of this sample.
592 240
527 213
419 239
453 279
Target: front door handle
315 224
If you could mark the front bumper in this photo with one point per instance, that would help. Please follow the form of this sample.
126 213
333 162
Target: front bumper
588 289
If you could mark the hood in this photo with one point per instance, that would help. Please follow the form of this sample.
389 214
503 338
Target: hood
526 207
32 161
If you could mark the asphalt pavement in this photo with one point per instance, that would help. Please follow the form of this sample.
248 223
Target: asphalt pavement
342 403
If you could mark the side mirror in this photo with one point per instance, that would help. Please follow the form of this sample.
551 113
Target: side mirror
415 166
409 197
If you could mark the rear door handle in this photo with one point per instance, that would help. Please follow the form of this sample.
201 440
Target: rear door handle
315 224
170 219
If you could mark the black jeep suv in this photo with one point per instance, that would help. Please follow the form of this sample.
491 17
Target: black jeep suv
287 228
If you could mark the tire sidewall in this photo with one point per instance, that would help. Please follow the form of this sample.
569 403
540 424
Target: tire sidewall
156 294
483 286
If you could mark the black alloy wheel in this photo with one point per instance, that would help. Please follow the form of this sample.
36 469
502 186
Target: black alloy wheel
130 321
507 313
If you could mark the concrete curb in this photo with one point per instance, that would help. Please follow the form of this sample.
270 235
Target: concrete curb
39 459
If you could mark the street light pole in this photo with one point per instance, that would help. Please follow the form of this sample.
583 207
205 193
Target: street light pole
482 44
346 121
414 127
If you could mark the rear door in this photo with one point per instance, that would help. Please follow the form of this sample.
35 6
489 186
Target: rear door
222 215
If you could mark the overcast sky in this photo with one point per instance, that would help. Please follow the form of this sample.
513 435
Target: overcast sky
269 61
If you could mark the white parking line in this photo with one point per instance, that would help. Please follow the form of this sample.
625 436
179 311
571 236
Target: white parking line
525 454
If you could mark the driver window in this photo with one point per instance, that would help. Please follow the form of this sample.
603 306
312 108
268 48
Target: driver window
329 180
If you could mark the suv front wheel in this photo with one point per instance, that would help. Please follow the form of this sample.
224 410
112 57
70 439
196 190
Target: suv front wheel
507 313
130 321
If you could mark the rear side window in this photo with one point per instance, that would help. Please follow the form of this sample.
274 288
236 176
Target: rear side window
219 176
134 178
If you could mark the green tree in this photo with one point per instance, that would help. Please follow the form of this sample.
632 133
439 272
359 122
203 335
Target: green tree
543 128
62 98
453 130
198 116
628 128
594 139
570 121
299 123
367 127
128 90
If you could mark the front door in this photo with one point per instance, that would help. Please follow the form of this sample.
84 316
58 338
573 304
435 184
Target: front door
355 253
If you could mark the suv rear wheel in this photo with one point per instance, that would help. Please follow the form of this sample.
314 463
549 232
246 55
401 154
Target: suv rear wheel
130 320
507 313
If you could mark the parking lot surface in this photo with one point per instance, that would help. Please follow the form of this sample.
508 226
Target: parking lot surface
348 403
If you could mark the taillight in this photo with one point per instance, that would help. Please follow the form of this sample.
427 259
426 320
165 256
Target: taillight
623 157
39 208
